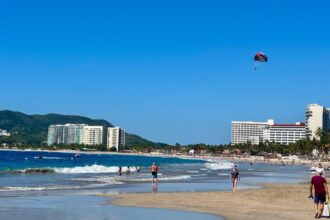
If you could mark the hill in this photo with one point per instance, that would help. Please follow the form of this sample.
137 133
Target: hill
33 129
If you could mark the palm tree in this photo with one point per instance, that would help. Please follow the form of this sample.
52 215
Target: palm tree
319 133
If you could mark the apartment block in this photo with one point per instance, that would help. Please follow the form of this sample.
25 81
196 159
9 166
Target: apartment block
116 138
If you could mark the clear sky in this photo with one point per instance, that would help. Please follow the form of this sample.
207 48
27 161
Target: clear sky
170 71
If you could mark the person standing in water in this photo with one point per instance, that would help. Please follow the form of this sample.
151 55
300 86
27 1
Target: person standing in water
234 177
154 171
128 171
119 171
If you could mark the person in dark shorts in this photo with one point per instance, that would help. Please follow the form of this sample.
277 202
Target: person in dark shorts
154 171
234 177
119 171
319 183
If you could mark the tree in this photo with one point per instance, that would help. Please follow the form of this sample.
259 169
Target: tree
113 149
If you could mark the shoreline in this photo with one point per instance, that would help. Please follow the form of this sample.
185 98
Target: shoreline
232 158
270 202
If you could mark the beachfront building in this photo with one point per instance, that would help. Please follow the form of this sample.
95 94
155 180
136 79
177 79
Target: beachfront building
248 131
56 134
116 138
317 117
284 133
4 133
64 134
91 135
73 134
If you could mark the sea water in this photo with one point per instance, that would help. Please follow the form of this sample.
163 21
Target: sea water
45 181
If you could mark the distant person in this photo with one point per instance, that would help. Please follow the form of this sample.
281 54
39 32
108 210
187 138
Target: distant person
319 184
128 171
234 177
119 171
154 171
320 167
138 169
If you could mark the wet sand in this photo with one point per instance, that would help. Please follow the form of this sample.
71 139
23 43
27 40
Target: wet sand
274 202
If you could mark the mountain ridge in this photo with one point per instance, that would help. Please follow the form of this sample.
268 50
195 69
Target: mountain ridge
32 129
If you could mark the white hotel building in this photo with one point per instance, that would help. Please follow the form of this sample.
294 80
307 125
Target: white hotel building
75 134
284 133
317 116
257 132
92 135
248 131
116 138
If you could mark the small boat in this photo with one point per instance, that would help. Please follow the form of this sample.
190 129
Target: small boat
77 155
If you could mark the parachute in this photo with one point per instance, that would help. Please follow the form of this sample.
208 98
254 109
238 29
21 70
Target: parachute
259 57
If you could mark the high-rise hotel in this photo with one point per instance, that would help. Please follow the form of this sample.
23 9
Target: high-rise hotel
116 138
247 131
92 135
84 134
258 132
317 117
75 134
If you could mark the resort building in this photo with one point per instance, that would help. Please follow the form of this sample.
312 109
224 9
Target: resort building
317 117
284 133
248 131
116 138
73 135
4 133
92 135
56 134
65 134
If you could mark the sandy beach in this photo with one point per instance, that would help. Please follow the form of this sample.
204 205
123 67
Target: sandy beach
273 202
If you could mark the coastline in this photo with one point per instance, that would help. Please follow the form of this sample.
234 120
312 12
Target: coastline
232 158
272 202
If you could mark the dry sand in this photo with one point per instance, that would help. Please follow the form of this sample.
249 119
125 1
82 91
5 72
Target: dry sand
272 202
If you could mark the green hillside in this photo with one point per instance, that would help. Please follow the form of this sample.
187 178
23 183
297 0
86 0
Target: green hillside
32 129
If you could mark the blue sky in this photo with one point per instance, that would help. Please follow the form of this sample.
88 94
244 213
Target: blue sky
169 71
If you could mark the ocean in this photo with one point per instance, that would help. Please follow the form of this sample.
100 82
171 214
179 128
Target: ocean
61 182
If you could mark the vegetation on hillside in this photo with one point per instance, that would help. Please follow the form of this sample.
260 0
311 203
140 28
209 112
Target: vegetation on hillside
31 130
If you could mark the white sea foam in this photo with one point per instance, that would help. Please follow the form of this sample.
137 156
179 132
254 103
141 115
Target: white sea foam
217 165
92 169
40 188
193 171
96 182
100 179
183 177
163 178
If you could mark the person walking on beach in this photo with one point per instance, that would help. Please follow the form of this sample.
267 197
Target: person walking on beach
234 176
154 170
119 171
319 184
128 171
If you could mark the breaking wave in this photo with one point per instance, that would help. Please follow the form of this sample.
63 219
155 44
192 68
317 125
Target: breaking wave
218 165
92 169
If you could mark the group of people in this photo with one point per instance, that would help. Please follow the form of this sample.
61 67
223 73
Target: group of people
318 188
318 184
153 169
128 170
